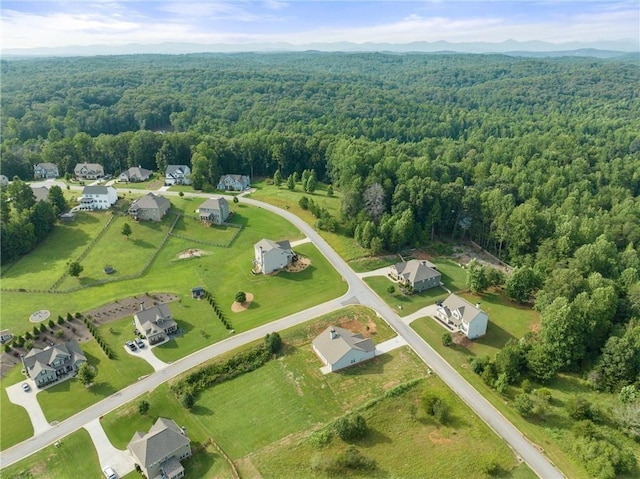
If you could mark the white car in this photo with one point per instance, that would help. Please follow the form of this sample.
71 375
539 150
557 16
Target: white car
109 473
25 387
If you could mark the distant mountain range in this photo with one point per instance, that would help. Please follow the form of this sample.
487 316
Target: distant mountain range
511 47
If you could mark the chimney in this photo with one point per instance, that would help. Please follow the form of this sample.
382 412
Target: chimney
333 334
141 306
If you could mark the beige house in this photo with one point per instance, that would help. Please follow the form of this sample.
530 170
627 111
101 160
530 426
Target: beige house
460 314
150 207
155 323
270 256
88 171
339 348
214 210
419 274
54 363
41 193
159 452
135 174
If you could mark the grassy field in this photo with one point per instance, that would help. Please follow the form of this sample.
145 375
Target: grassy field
453 276
404 304
194 229
362 265
156 181
16 426
74 459
69 397
346 247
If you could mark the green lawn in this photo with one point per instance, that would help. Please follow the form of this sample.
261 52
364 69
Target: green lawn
195 229
404 304
69 397
16 426
371 263
76 458
40 268
453 276
404 442
156 181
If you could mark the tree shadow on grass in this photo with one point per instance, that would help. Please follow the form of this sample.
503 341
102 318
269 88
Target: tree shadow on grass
373 438
373 366
200 410
201 462
143 244
304 275
496 336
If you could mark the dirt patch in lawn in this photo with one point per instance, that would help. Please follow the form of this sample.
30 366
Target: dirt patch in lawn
192 253
461 340
239 307
300 265
436 438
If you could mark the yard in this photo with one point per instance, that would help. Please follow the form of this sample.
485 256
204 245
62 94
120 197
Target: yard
404 304
16 426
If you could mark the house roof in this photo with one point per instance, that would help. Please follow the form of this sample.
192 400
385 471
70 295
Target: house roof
151 201
137 171
41 193
214 203
154 319
234 177
89 166
46 166
163 439
173 169
96 190
334 342
416 270
41 358
467 310
268 245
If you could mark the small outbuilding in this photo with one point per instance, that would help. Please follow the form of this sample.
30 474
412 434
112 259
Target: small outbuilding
197 292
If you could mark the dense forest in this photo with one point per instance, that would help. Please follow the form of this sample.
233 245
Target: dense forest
537 160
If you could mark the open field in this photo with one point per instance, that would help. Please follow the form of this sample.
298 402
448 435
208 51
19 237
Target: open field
404 304
156 181
453 276
194 229
371 263
16 426
74 459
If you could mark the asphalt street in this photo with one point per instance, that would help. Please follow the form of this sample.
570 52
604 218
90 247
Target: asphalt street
358 293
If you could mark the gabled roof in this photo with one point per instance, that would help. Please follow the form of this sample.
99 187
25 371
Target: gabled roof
137 171
151 201
41 358
96 190
163 439
416 270
268 245
466 310
334 342
160 311
91 167
214 203
41 193
234 177
179 169
46 166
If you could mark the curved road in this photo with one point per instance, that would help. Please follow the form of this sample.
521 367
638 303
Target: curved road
358 293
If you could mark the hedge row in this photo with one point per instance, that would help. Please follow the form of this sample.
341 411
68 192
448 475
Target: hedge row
96 335
214 304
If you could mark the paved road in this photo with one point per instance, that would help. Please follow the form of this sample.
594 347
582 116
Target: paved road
358 293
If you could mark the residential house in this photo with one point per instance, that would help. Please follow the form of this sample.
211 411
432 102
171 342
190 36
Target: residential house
233 182
159 452
271 256
214 210
45 171
150 207
135 174
4 181
88 171
5 335
177 175
46 366
339 348
97 198
41 193
419 274
155 323
464 316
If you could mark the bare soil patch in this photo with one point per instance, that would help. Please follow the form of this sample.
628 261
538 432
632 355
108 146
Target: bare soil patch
434 437
192 253
461 340
300 265
239 307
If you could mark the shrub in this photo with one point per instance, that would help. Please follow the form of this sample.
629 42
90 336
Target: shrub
181 194
584 428
273 343
59 333
69 317
321 438
60 320
143 407
43 328
490 466
7 348
523 405
51 324
526 386
352 458
578 408
304 203
28 344
236 200
351 427
241 297
188 400
446 339
28 335
19 340
78 315
435 407
478 364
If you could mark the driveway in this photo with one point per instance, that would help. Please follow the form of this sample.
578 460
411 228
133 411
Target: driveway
28 400
376 272
120 461
299 242
390 345
421 313
146 353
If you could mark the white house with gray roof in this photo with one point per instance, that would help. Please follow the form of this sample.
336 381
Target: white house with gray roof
45 171
234 182
270 256
459 313
98 198
339 348
155 323
159 452
150 207
46 366
88 171
135 174
419 274
177 175
214 210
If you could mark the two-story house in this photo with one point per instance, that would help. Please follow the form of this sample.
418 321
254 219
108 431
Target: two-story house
270 256
419 274
150 207
45 171
97 198
46 366
88 171
155 323
177 175
214 210
459 313
234 182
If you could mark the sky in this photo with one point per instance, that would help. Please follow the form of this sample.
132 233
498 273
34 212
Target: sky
29 24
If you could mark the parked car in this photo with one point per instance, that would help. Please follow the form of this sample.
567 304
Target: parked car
109 473
25 387
140 343
131 345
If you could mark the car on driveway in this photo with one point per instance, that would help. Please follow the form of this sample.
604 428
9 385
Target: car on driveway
140 343
109 473
25 387
131 345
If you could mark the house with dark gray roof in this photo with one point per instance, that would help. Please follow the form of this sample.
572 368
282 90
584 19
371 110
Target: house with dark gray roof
155 323
177 175
88 171
233 182
45 171
54 363
339 348
214 210
135 174
419 274
270 256
460 314
150 207
159 452
98 198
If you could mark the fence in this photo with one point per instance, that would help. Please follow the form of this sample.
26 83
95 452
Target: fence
508 267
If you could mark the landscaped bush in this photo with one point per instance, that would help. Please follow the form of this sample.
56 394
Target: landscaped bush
321 438
435 407
351 427
273 343
60 320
